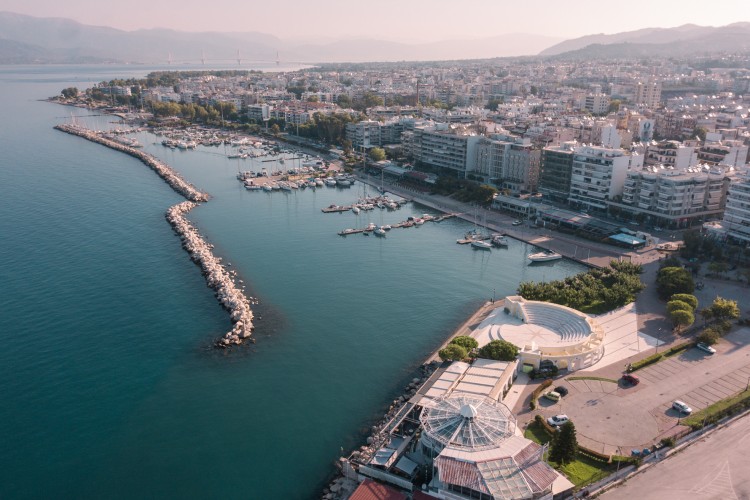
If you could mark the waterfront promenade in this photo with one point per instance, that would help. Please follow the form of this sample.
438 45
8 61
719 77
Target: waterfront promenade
581 250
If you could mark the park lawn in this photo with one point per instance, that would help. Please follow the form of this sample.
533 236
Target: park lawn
582 471
585 470
536 433
716 408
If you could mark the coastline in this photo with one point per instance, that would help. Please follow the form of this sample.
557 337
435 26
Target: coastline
217 277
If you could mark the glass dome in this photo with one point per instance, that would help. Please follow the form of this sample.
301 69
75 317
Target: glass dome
468 422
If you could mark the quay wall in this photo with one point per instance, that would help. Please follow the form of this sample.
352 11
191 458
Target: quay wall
218 278
164 171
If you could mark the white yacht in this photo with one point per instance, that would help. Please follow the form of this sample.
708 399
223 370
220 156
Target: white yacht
544 256
481 245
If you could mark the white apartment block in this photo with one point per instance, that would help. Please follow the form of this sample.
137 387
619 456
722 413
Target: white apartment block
671 154
364 134
445 147
597 104
737 212
598 176
259 112
676 198
734 153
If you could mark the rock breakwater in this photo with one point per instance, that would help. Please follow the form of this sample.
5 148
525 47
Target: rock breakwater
229 295
217 277
164 171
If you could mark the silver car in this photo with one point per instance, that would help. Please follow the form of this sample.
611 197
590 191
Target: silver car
682 407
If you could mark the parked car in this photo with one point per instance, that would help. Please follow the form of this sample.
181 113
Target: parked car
682 407
631 379
705 348
557 420
517 222
552 396
561 390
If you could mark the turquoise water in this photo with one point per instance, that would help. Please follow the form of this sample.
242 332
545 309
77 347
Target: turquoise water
110 387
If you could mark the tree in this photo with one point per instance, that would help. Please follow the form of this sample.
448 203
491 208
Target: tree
709 336
564 444
500 350
692 300
673 280
723 309
681 318
70 92
344 101
452 352
466 342
312 98
678 305
275 130
376 154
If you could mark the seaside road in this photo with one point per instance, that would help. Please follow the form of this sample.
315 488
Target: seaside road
715 467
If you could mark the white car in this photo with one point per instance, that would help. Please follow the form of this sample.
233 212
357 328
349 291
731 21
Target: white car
705 348
517 222
557 420
682 407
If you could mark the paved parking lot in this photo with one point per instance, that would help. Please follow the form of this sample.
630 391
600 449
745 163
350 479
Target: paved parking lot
614 417
716 467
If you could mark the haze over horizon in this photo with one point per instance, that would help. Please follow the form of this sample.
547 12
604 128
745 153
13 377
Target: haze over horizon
412 21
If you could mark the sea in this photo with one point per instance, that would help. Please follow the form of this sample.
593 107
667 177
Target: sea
110 386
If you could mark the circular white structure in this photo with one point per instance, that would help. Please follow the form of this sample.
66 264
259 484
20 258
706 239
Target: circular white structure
545 331
467 421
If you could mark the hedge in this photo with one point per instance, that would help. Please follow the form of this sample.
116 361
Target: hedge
538 391
655 358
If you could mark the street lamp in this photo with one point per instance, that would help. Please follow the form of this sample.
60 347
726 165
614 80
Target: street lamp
658 334
493 301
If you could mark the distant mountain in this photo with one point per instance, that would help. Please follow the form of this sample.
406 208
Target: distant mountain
683 40
27 39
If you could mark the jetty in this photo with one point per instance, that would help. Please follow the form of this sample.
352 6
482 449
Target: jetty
229 295
410 222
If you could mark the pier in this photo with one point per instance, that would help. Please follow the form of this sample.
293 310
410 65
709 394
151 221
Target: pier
418 221
218 278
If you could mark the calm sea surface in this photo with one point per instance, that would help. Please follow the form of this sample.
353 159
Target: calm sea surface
109 386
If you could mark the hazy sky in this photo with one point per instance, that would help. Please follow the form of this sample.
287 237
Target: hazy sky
404 20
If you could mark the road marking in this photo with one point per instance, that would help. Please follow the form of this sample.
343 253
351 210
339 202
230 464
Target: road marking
720 486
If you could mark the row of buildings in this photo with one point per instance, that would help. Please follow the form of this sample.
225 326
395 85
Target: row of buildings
658 141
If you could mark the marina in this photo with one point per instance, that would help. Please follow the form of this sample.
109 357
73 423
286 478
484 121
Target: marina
410 222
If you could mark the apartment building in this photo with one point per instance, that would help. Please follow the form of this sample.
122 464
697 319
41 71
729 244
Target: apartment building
675 198
737 214
444 147
555 172
597 104
672 154
598 176
724 152
648 93
510 161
